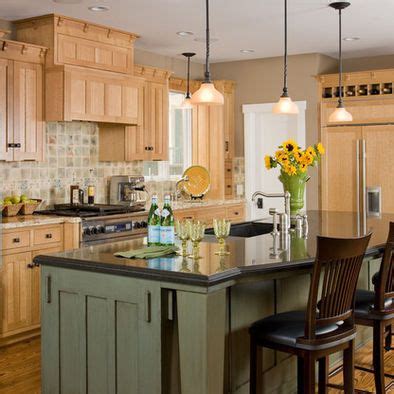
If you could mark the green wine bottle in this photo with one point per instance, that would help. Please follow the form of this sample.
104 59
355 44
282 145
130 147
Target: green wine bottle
154 223
167 232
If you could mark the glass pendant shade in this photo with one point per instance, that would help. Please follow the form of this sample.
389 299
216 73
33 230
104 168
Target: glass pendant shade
187 103
207 95
285 106
340 115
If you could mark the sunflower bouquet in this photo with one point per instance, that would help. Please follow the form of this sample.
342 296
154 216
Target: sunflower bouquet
294 160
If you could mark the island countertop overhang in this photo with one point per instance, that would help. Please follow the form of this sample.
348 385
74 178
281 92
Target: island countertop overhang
249 256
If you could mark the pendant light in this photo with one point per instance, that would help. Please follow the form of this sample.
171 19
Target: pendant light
187 101
285 105
340 114
207 94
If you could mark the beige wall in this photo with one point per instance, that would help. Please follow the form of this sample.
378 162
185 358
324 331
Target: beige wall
368 63
261 81
177 65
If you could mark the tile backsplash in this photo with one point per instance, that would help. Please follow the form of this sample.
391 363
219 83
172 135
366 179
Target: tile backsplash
71 157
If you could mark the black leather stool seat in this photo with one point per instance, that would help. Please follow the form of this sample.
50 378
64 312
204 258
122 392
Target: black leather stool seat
364 304
285 328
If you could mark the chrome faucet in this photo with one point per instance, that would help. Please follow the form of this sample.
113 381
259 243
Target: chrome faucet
285 195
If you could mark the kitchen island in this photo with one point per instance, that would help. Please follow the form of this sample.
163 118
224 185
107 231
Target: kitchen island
175 325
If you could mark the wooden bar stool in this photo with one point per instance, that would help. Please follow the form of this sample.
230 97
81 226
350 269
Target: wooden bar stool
326 327
376 309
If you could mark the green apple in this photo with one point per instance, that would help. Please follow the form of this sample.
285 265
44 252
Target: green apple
15 200
7 202
23 198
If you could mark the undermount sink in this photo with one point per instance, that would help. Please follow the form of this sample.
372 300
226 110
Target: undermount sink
247 229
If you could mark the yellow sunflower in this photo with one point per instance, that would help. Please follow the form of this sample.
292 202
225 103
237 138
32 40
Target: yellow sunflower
282 157
298 156
320 148
267 160
291 170
290 146
311 151
303 167
307 159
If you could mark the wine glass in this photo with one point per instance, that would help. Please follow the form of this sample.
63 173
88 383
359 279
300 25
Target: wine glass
182 229
197 232
221 227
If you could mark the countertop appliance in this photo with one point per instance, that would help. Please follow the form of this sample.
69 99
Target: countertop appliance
128 190
104 223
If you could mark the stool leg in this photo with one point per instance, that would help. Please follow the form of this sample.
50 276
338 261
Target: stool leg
348 368
300 375
309 374
388 337
256 366
378 356
323 375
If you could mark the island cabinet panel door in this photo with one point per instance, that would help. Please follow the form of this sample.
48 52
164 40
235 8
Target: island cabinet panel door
100 333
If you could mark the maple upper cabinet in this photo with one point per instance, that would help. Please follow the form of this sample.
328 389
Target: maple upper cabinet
21 101
149 139
77 93
76 42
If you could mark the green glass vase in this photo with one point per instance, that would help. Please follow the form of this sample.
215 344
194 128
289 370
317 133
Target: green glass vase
295 185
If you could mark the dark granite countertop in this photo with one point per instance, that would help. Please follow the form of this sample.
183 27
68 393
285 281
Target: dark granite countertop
249 256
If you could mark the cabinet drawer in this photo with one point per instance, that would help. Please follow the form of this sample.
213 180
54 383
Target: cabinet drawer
181 215
236 213
48 235
17 239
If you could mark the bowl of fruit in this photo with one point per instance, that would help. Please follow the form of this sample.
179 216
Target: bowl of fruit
12 205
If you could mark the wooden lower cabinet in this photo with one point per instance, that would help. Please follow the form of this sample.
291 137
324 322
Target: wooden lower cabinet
101 333
20 286
233 212
16 290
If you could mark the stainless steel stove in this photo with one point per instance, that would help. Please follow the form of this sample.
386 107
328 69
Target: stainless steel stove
104 223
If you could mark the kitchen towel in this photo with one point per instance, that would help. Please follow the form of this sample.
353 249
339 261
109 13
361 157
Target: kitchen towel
148 252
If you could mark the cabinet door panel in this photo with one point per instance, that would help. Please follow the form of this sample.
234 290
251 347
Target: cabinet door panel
28 112
16 291
113 100
6 98
156 110
339 168
96 98
379 168
135 143
78 94
99 335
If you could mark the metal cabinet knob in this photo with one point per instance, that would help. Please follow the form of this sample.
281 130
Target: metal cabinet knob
48 236
16 240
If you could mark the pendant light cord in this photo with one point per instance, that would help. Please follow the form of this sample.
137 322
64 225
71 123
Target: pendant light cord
207 36
285 91
340 101
188 96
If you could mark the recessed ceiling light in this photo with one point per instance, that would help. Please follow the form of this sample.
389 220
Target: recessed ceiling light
351 38
203 39
99 8
184 33
247 51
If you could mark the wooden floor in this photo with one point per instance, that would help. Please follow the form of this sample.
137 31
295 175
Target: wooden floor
20 369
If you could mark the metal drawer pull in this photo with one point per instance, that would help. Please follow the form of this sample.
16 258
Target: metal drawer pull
49 289
30 265
148 302
48 236
16 240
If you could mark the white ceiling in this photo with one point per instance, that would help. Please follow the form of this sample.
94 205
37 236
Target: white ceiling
247 24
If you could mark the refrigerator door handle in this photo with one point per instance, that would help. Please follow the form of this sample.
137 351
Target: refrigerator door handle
364 184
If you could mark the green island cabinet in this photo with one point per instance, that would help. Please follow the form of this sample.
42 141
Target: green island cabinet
102 333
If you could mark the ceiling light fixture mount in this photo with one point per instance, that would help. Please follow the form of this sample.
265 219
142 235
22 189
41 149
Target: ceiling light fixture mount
187 104
285 105
351 38
247 51
207 94
98 8
184 33
340 114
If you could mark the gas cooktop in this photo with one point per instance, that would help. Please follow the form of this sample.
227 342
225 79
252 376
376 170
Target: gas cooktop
85 210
